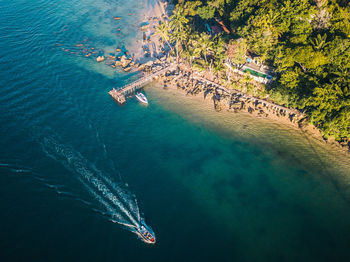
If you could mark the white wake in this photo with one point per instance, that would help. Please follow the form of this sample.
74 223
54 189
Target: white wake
118 203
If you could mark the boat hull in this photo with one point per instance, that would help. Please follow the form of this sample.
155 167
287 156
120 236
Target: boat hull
146 233
142 98
146 240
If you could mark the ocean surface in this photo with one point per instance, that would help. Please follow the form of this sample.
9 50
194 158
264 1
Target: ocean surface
77 171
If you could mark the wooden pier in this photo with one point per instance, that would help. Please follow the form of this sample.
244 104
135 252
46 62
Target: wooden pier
119 94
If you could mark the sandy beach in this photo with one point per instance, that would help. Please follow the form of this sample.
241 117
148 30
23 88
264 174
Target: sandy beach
148 53
147 46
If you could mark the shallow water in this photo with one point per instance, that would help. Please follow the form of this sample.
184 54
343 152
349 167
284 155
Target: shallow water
213 186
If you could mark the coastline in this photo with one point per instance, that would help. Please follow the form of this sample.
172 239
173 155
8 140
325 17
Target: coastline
192 158
153 55
149 53
228 100
282 138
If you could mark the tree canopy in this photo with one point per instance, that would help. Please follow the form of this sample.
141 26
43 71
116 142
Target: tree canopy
306 41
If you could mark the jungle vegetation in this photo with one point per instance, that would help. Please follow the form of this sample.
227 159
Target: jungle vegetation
307 42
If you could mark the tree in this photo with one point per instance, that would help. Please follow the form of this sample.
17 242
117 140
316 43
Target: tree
163 31
237 51
306 41
206 12
203 46
178 22
319 42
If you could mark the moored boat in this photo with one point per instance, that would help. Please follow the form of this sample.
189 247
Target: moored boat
142 98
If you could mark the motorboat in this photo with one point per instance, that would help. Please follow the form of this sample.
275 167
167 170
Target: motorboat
142 98
146 233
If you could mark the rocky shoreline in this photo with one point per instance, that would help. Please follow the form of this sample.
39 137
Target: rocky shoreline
196 84
154 56
226 99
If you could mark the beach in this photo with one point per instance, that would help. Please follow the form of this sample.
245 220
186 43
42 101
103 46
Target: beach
149 53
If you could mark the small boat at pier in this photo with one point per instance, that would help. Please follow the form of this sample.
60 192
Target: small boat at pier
142 98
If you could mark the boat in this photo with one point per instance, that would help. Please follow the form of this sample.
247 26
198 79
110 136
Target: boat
142 98
146 233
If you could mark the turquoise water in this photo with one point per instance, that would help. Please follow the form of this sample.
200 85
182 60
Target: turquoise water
213 186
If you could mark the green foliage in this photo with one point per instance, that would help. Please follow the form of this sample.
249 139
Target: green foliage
307 42
238 50
206 12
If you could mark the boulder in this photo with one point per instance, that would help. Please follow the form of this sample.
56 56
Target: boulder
127 69
149 63
100 59
144 27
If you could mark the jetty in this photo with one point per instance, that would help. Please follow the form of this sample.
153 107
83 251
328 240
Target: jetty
119 94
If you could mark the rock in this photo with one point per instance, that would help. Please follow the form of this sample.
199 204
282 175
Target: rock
149 63
126 63
144 27
100 59
250 110
127 69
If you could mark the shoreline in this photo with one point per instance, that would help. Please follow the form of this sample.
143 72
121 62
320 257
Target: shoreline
223 98
231 102
149 54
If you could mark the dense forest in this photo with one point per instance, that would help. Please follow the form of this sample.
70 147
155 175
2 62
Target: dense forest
307 42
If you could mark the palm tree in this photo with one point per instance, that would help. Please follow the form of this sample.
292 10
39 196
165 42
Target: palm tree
203 46
342 78
181 38
178 22
163 31
319 42
219 50
189 52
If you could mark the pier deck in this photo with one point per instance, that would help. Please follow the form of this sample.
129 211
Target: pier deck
119 94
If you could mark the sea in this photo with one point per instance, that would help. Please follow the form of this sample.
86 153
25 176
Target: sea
78 172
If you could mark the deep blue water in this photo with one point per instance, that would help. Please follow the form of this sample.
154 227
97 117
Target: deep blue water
213 186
